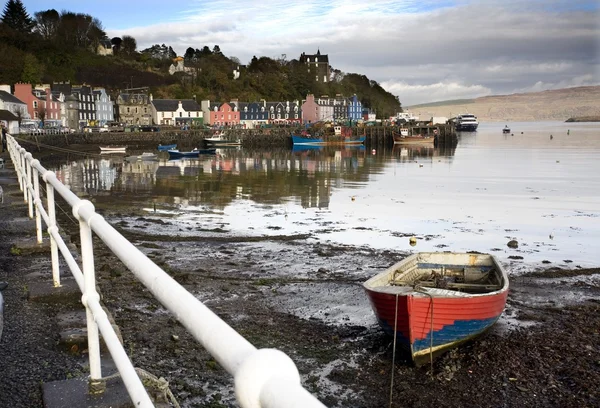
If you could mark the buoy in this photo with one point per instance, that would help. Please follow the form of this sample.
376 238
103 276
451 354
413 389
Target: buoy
551 236
373 151
551 137
420 165
353 198
412 241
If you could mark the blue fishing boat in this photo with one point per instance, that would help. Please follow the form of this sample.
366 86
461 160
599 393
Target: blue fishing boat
164 148
299 140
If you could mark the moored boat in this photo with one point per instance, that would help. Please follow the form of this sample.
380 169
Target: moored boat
164 148
506 129
220 140
466 123
113 149
414 139
437 300
300 140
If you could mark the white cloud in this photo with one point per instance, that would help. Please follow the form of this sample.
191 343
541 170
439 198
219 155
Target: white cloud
440 91
413 48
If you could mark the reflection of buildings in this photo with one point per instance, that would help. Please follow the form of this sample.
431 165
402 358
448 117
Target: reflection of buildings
266 177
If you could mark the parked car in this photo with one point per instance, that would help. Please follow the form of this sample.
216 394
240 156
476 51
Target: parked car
149 129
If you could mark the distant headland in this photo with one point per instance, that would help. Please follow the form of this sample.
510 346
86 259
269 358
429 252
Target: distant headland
584 119
579 103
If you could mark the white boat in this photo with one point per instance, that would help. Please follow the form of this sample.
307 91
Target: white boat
113 149
403 132
466 123
506 129
219 140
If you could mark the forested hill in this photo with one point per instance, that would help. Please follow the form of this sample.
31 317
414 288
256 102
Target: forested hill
51 46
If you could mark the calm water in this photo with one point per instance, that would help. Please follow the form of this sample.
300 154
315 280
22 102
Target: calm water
491 188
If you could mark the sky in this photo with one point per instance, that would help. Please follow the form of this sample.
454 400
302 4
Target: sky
421 50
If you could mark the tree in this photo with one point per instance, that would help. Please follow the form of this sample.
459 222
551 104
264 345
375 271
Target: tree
172 53
42 113
190 54
216 50
46 23
32 70
128 45
16 17
116 43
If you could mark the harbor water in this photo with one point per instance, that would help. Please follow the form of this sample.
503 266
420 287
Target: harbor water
538 185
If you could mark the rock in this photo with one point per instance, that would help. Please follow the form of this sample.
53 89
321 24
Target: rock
513 243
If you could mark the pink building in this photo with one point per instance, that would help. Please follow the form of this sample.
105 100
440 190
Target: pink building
40 104
225 115
310 110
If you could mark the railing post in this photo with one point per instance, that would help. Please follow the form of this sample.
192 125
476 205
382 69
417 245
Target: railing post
28 183
22 181
52 227
37 201
89 278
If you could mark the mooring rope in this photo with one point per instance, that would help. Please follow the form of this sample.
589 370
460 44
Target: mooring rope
394 351
150 380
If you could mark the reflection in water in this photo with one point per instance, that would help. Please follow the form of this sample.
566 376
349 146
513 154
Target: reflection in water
490 189
268 177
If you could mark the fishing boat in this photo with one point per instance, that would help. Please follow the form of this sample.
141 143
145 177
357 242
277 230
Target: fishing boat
219 140
164 148
433 301
143 157
301 140
193 153
113 149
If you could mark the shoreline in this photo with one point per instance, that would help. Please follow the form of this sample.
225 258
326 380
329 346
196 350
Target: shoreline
306 299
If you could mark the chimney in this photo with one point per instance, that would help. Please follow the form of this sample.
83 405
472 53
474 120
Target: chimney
152 98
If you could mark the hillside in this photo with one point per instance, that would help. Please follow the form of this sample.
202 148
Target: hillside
559 104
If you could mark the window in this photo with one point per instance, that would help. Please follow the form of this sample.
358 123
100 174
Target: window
286 116
189 114
296 116
229 117
180 114
127 109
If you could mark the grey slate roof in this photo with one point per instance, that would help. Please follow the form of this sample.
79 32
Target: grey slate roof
7 115
171 105
7 97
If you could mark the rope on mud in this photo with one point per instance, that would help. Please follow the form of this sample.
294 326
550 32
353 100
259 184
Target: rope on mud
394 352
159 386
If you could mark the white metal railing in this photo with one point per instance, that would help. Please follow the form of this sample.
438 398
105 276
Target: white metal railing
265 378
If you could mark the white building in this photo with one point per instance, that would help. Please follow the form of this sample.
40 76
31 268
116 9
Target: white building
175 112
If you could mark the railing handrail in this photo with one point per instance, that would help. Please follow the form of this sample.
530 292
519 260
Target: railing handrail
263 378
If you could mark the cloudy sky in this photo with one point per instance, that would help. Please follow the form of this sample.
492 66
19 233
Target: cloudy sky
420 50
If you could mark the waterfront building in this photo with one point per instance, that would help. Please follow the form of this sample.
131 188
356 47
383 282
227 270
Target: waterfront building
310 110
318 65
253 115
49 111
184 112
354 109
86 105
14 105
104 107
225 114
326 109
284 112
24 92
134 109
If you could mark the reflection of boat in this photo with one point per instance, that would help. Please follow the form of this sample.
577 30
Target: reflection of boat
299 140
219 140
164 148
466 122
143 156
506 129
415 139
434 301
113 149
193 153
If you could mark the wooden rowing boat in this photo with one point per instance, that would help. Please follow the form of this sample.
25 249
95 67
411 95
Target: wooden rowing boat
434 301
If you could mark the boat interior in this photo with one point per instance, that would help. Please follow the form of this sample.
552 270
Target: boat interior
468 279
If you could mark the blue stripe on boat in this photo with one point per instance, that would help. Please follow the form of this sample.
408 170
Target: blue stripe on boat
460 330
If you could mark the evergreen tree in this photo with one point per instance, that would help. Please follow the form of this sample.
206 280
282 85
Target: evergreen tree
32 70
16 17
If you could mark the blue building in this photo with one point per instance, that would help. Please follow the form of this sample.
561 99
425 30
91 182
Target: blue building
104 107
254 114
355 109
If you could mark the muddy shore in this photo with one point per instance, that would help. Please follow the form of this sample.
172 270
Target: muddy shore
305 298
